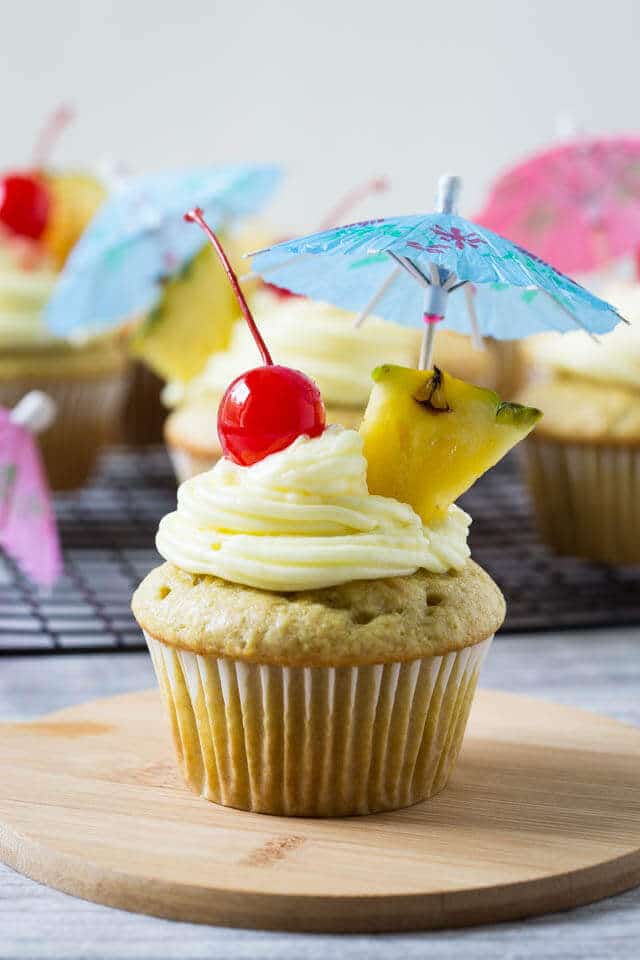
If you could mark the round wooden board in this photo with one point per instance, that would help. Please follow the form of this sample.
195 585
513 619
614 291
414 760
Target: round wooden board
542 814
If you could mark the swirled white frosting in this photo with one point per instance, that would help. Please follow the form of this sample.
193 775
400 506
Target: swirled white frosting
314 337
303 519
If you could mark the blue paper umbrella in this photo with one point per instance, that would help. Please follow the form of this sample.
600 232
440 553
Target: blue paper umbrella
431 268
138 237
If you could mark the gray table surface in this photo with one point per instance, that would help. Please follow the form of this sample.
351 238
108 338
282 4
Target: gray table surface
597 670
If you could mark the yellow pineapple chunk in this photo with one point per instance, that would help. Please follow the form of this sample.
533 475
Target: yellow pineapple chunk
192 320
428 437
198 308
75 198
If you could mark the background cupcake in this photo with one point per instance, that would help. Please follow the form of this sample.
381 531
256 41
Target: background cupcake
317 338
193 319
42 215
583 464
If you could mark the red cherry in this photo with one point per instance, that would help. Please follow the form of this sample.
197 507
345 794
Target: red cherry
267 408
24 204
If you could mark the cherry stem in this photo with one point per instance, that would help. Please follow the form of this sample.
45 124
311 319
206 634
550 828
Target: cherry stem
55 123
353 197
197 216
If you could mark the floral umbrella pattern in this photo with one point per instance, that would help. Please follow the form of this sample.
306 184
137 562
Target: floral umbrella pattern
576 205
346 266
116 270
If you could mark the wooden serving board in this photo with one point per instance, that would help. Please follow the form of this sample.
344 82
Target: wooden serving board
542 814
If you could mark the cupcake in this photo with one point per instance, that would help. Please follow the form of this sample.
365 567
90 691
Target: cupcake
317 338
583 464
86 380
320 664
318 626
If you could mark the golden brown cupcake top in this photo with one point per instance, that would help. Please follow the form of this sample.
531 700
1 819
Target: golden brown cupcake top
579 410
364 621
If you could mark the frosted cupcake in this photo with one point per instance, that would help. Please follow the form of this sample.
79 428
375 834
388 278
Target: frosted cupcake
86 380
317 338
583 464
317 648
318 641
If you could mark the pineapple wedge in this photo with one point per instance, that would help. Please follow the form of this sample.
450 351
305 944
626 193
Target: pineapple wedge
428 437
197 311
75 198
193 319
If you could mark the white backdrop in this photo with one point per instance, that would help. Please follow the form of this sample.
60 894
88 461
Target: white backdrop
334 90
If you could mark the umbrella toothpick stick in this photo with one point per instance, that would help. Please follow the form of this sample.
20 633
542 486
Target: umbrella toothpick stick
435 297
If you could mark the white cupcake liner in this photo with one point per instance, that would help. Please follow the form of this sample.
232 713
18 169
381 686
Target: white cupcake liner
317 741
586 498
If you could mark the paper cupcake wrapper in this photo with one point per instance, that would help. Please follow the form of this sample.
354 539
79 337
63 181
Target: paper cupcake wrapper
317 741
586 498
187 465
88 417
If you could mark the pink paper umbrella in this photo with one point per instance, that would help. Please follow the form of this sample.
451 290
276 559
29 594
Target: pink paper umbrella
576 206
28 529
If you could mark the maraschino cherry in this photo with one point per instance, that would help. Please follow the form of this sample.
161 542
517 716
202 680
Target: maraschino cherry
265 409
24 197
24 204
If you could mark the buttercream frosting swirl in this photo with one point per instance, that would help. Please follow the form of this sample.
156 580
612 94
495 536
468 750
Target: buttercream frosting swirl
303 519
314 337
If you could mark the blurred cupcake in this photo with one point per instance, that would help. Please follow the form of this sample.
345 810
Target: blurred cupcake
144 412
86 380
583 464
315 337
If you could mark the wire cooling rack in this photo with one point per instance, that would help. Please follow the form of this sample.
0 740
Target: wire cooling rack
108 531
